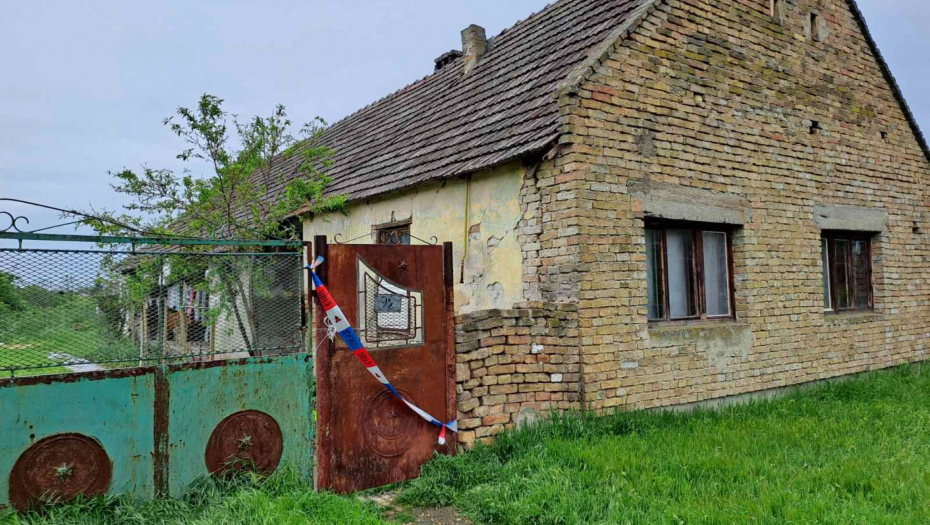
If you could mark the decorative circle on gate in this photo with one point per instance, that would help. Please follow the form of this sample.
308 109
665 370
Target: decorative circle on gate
249 440
60 467
390 426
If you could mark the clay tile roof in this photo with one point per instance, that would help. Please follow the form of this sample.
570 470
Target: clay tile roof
450 124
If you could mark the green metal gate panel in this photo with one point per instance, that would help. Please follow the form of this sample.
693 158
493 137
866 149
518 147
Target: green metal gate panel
116 411
154 428
278 387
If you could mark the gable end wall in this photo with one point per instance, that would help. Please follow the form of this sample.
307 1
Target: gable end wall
717 96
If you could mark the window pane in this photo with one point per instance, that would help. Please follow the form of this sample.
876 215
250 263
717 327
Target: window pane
825 255
654 290
863 284
394 236
681 273
716 273
843 295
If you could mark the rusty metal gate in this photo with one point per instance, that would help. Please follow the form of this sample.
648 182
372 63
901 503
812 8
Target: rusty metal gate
400 300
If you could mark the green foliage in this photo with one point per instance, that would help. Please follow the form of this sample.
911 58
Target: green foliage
10 298
111 312
854 452
249 192
283 498
239 197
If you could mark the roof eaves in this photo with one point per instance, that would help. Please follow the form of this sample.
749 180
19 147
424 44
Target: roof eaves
540 146
577 76
895 88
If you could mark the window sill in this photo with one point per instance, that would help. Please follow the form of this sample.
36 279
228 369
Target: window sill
723 333
664 328
846 318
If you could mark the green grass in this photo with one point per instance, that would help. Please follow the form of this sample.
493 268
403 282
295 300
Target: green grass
855 452
42 336
283 499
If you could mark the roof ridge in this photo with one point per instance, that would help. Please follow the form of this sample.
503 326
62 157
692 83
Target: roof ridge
446 123
503 32
528 17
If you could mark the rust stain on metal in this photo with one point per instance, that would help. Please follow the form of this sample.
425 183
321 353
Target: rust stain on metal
160 458
388 426
449 296
59 467
100 375
365 440
249 440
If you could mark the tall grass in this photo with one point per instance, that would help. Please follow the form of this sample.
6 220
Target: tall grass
282 499
855 452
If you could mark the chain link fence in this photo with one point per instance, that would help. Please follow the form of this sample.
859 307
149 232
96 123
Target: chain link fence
65 311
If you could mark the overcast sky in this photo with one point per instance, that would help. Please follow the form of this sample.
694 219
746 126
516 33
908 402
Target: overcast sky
86 84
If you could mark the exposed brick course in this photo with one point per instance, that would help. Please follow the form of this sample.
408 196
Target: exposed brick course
501 376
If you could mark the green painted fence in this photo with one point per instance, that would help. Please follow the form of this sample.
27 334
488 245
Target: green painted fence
155 426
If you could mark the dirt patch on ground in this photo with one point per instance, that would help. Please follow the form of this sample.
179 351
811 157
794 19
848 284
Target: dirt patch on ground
446 516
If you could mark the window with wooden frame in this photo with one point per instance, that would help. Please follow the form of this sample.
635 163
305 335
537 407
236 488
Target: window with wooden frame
847 271
689 271
396 232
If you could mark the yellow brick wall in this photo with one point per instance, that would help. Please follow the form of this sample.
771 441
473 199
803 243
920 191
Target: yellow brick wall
726 96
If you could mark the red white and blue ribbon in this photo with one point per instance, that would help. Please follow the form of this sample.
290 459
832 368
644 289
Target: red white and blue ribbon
340 323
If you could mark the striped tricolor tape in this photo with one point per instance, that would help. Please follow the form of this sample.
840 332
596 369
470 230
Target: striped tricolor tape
338 320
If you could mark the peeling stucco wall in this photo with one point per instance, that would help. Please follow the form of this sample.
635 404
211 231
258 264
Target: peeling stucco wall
489 274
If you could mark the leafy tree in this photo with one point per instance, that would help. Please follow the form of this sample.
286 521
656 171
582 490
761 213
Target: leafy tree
234 187
230 201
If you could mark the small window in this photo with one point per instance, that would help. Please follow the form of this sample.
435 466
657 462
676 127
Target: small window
688 271
847 271
397 232
775 9
815 27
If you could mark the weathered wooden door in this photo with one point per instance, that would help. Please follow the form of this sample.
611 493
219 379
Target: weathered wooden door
399 300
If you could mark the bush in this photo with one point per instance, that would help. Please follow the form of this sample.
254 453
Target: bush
10 298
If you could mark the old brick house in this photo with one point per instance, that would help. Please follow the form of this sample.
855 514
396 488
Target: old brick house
656 202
